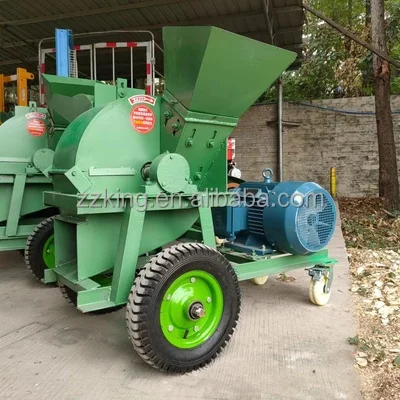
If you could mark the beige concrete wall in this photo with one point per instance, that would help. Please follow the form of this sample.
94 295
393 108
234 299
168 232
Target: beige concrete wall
314 141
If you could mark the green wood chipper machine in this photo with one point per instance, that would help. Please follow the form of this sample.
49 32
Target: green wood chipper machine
133 177
28 141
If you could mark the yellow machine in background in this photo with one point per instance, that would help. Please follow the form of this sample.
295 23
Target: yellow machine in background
9 98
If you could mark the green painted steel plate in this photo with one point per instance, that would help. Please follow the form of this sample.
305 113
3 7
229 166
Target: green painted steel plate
214 71
67 97
43 159
176 324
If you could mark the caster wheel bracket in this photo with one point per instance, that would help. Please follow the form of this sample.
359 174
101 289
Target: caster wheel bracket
318 272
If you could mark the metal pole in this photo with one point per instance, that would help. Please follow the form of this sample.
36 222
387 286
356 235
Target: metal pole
153 65
333 183
280 127
95 62
131 67
91 62
113 64
42 59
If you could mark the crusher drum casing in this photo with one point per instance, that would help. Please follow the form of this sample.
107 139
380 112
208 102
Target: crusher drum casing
28 141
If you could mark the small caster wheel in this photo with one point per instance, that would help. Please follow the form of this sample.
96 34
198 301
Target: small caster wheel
316 291
261 280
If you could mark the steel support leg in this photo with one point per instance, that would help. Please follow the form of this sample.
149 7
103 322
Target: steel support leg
207 226
127 255
14 212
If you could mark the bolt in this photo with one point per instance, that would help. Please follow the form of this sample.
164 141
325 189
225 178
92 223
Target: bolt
196 328
73 173
208 299
189 142
48 251
197 176
197 311
168 114
170 328
171 157
193 280
176 126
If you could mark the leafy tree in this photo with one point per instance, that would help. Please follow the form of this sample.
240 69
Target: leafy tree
335 66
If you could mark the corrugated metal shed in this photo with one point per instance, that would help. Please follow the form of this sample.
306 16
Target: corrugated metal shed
23 23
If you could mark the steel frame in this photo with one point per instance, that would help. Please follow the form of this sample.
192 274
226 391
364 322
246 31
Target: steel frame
150 56
21 77
91 296
13 235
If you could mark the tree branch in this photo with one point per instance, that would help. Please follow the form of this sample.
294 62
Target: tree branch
350 35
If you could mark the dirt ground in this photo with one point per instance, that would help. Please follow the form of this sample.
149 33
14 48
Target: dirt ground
372 238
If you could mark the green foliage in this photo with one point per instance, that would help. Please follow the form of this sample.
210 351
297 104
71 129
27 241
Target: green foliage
333 65
355 341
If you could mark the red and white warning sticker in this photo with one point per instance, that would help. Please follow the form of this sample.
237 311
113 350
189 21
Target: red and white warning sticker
36 127
142 98
142 119
35 115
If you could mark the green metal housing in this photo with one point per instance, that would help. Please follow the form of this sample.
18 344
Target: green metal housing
22 177
25 158
124 191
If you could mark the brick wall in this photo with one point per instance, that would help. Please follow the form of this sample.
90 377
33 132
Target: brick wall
315 140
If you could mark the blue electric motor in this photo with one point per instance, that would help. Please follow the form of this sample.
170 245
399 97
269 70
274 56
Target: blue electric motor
289 217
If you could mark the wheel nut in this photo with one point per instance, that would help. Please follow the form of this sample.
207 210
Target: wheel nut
208 299
193 280
196 328
170 328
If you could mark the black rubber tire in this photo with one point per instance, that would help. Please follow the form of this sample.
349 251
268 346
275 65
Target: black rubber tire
69 295
34 247
143 308
72 298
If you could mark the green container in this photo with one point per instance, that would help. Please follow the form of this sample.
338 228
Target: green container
212 78
67 97
213 71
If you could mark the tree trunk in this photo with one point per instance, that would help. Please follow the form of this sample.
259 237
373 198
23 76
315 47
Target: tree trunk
388 175
367 12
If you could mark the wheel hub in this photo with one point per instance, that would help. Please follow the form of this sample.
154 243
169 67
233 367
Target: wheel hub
197 310
191 309
48 252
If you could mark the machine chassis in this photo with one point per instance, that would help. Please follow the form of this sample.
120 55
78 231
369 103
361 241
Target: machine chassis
94 296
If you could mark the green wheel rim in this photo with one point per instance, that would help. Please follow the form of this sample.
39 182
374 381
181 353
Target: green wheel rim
193 289
48 253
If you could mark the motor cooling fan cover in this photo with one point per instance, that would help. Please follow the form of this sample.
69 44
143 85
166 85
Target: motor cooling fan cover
306 224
